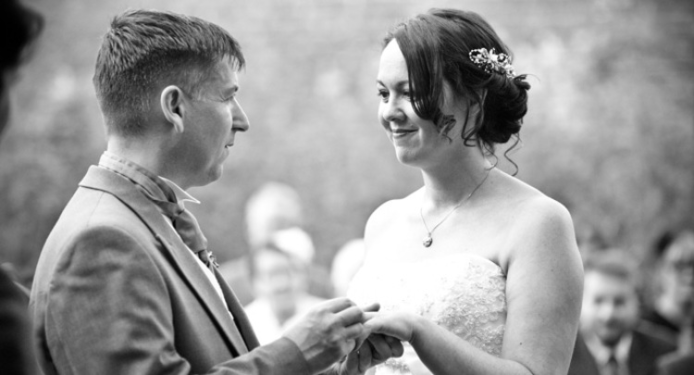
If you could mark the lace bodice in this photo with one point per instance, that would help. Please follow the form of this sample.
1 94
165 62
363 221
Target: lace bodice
462 293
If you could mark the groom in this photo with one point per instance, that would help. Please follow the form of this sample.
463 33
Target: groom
125 284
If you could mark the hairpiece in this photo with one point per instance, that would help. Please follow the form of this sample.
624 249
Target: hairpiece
492 62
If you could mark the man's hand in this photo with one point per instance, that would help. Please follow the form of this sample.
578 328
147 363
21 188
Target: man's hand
375 350
328 332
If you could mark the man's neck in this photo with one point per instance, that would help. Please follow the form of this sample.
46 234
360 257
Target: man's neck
147 154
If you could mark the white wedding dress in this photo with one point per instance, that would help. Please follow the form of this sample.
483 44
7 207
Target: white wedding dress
463 293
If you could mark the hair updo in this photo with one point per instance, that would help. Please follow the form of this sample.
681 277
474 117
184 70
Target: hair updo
436 46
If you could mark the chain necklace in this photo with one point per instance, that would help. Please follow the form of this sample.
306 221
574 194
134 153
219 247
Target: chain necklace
428 240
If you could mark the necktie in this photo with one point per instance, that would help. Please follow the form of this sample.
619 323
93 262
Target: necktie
161 194
186 226
612 365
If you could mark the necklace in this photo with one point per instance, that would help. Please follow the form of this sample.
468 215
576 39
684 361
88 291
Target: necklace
428 240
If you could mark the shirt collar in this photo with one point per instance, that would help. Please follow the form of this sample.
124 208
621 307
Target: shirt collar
156 187
602 352
181 195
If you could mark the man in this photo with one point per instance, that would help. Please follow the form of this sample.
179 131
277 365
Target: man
610 316
125 284
19 27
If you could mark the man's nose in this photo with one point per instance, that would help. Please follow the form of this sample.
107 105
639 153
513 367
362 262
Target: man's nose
607 311
240 119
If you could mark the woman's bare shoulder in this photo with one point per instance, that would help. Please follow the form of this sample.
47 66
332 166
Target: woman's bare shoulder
538 224
387 212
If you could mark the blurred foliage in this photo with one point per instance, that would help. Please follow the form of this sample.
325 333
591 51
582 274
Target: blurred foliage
610 131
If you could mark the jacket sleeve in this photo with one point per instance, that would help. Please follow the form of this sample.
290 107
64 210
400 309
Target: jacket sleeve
108 312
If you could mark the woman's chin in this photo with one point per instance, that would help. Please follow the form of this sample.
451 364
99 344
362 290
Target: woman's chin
406 156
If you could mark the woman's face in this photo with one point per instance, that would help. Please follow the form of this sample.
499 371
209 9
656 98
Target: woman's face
417 141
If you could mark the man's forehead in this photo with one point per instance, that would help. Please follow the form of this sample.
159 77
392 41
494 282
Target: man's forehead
225 75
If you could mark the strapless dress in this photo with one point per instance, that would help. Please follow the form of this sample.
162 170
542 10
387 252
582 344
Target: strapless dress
463 293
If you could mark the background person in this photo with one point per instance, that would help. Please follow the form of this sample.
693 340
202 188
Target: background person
279 281
672 311
611 315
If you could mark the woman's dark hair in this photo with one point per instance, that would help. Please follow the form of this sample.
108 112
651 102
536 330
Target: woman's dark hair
436 46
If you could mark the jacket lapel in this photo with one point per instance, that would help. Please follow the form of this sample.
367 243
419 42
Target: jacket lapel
240 317
640 360
174 248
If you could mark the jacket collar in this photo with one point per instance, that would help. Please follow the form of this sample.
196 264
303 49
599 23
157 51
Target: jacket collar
172 246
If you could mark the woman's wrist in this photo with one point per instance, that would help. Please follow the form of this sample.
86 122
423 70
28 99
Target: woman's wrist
417 324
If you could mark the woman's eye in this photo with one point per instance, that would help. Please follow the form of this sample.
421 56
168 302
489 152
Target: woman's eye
383 94
407 96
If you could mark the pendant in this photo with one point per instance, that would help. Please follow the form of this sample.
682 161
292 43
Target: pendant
428 241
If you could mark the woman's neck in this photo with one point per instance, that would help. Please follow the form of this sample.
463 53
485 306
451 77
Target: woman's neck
449 183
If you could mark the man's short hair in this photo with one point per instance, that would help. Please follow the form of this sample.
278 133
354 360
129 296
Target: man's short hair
615 263
144 50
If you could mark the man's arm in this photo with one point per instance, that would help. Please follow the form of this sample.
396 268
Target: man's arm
109 312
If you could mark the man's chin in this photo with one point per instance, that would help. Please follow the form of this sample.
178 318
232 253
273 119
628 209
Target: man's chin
610 338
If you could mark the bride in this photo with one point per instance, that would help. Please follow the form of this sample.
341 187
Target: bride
477 271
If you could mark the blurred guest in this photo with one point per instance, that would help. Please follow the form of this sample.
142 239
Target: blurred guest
272 207
279 282
610 316
673 308
276 207
345 265
19 27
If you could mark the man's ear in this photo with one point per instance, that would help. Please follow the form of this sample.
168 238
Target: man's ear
172 106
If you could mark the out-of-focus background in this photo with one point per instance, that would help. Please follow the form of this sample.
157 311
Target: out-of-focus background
609 133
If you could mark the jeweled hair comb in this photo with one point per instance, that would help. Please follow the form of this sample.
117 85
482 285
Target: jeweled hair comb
492 62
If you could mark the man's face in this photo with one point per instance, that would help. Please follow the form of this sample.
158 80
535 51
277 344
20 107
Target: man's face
610 307
211 121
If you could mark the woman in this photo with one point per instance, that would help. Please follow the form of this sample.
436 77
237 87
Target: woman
478 271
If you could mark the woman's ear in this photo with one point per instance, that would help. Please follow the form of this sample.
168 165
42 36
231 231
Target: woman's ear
172 105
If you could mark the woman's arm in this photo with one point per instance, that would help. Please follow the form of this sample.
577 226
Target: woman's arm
543 293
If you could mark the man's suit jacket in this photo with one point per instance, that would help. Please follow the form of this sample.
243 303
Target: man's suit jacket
678 365
643 356
117 292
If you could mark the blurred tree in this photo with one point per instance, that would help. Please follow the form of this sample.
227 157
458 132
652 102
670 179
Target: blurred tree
610 132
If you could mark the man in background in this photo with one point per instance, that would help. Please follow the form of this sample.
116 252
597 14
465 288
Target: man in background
610 317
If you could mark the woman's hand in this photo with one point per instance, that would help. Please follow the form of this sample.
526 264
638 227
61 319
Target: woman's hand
400 325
